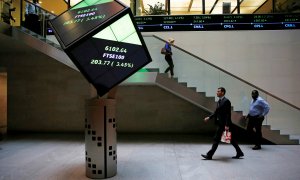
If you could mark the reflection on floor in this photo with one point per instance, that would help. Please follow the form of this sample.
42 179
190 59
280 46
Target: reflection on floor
143 157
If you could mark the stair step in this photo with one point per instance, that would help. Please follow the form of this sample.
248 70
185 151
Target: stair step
183 84
294 136
193 88
296 141
164 74
153 70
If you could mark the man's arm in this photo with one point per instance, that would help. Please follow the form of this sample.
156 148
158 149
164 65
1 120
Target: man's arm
266 107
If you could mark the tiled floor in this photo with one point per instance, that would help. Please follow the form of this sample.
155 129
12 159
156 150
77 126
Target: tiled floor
145 157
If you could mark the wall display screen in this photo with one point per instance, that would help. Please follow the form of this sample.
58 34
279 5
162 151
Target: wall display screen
75 23
111 55
218 22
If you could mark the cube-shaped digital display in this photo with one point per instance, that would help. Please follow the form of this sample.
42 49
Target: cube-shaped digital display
103 42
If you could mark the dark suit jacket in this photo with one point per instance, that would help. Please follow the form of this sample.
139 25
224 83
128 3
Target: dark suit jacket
222 113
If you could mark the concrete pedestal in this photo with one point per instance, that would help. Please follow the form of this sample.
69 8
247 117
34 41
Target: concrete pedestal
100 138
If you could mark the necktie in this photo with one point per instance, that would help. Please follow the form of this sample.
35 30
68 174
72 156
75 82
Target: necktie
219 102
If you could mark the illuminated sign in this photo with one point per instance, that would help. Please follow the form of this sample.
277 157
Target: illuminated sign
77 22
96 41
218 22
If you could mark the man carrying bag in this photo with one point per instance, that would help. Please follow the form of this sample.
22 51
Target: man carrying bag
222 117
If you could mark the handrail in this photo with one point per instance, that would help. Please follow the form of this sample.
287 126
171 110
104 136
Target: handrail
226 72
67 3
40 26
40 8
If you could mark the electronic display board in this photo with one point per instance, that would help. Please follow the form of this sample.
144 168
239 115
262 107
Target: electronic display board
218 22
75 23
111 55
104 51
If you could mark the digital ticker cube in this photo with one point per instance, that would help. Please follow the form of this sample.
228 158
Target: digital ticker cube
103 41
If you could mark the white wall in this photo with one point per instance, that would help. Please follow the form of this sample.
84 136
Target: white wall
268 59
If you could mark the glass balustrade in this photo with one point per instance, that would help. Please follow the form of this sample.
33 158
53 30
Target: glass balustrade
34 20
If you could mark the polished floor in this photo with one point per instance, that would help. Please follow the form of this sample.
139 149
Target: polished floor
144 157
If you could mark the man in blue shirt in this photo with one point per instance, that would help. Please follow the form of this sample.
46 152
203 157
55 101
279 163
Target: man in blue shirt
168 56
259 108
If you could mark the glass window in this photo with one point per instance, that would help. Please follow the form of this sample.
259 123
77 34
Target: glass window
250 6
186 7
267 7
287 6
178 7
221 7
150 7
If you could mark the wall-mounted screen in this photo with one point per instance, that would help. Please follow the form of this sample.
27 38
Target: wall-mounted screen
218 22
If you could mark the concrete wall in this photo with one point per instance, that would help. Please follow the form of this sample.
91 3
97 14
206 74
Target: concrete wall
150 109
268 59
43 94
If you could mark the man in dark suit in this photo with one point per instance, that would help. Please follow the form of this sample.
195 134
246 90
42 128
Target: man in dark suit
222 116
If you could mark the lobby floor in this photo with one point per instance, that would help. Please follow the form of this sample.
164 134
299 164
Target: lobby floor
144 157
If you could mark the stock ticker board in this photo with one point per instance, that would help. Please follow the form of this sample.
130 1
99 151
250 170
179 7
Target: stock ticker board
218 22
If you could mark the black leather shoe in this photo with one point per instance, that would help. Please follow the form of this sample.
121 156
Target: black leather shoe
256 147
238 155
206 157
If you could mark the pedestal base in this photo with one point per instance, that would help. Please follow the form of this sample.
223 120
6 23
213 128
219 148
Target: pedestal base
100 138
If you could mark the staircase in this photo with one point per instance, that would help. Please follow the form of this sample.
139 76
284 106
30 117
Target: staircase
201 99
43 45
204 102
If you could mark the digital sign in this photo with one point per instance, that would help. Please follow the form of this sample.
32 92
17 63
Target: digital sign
218 22
111 55
77 22
96 41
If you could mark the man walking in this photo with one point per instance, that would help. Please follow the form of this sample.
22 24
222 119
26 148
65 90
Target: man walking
259 108
222 116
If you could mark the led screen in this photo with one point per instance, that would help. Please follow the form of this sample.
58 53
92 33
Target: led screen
81 19
102 40
111 55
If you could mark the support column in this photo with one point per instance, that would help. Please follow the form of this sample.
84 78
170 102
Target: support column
100 138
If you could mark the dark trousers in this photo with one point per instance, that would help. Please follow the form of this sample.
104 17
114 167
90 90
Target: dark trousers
5 18
255 122
217 139
32 23
169 60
